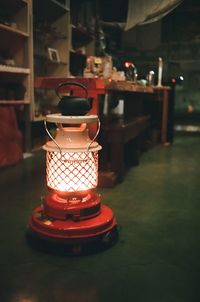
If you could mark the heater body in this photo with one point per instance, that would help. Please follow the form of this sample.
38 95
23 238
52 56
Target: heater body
72 213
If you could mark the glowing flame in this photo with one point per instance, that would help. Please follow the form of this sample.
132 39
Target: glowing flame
72 172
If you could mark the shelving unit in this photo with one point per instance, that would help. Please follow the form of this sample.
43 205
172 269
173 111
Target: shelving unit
11 69
10 29
16 81
82 45
70 44
12 102
82 34
38 40
51 45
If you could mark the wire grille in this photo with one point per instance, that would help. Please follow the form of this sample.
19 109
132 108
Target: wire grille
71 172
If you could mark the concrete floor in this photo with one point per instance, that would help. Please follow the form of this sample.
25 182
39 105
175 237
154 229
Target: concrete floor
157 257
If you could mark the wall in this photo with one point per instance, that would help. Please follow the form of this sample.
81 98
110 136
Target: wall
177 40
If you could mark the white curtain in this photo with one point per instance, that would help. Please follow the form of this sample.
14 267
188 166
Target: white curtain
147 11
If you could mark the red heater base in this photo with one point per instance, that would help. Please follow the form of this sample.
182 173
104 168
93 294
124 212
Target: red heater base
74 226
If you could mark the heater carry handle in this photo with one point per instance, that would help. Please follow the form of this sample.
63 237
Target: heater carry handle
98 129
60 149
70 84
51 137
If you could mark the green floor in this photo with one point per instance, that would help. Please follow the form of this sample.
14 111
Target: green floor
157 257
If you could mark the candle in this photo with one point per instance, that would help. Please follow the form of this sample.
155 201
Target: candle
160 70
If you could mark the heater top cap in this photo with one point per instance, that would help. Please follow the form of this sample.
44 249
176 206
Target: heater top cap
63 119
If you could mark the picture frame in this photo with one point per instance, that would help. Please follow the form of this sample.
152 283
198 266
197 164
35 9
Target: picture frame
53 55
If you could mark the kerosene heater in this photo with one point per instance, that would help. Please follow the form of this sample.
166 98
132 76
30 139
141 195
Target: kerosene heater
72 215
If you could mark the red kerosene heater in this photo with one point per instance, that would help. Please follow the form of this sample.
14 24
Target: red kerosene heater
71 215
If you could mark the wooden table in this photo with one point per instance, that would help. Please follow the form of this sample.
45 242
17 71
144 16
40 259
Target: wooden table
98 86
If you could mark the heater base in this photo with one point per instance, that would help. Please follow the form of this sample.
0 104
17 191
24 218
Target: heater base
76 237
75 247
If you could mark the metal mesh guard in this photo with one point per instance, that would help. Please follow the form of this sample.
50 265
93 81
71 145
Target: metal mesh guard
70 172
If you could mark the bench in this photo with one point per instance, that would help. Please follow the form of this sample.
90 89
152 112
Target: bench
121 141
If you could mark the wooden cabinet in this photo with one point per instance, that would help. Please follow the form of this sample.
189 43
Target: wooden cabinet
51 37
62 40
35 42
15 49
38 40
82 34
51 44
16 82
82 45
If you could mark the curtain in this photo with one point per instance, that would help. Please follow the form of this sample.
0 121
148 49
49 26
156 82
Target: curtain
146 11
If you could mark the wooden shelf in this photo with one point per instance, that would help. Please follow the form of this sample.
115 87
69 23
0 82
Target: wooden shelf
51 30
13 102
11 69
16 47
55 9
57 63
76 53
63 6
13 30
80 36
129 87
44 57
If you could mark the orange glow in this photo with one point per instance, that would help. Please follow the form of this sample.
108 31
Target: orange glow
128 64
190 108
72 172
